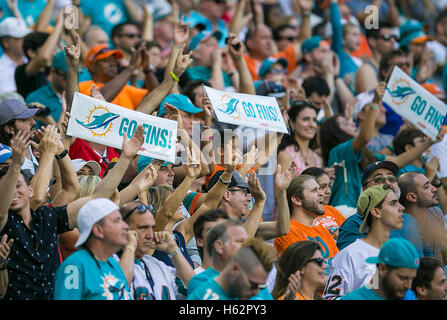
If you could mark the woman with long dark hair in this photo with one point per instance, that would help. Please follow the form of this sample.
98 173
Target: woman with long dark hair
297 147
300 272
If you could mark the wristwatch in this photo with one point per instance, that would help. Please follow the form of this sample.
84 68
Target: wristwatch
173 254
223 181
61 155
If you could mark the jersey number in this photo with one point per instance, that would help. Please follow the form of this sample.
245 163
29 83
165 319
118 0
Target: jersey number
332 285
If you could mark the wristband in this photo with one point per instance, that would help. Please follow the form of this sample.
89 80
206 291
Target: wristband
131 248
173 254
174 77
374 106
61 155
223 181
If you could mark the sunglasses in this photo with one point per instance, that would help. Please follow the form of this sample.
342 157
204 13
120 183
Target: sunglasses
318 261
381 180
245 191
130 35
141 208
254 285
388 37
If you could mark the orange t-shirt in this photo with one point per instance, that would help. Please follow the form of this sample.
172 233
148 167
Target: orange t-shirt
331 220
298 297
363 51
288 53
301 232
129 97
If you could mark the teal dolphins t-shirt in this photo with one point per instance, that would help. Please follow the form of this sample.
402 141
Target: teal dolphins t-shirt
201 279
80 277
30 10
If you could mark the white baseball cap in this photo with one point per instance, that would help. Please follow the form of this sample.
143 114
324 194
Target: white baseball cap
13 27
90 213
78 164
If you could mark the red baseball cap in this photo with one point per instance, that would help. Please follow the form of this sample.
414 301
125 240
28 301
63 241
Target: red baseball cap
101 52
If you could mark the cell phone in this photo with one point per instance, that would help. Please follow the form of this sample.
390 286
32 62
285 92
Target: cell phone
337 165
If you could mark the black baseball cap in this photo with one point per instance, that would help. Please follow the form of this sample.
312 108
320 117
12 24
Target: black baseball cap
236 180
370 168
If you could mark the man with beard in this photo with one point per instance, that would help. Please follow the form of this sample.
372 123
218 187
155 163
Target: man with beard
397 265
420 199
305 200
430 282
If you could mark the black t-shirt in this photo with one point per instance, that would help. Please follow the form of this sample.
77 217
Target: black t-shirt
34 255
25 84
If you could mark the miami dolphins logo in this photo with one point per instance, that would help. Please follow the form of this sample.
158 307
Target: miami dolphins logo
400 91
230 106
98 122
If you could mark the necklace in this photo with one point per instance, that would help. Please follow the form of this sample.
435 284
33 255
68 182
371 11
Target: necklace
305 157
303 295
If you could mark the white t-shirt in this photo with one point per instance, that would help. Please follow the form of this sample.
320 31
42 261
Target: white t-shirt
349 271
7 76
162 275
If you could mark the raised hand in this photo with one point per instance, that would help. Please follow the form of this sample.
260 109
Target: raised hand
5 249
182 62
431 167
132 239
194 167
251 156
132 146
50 141
181 32
232 159
293 286
19 147
146 178
96 93
380 91
235 46
164 241
73 52
254 186
284 177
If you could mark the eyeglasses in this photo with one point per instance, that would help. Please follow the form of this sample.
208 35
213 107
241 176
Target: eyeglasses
60 73
253 285
141 209
318 261
381 180
388 37
130 35
290 39
245 191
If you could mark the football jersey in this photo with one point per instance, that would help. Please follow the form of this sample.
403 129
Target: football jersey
349 271
331 220
301 232
153 280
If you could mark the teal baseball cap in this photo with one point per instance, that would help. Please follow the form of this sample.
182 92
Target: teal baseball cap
412 31
144 161
397 252
59 61
312 43
194 43
179 101
269 62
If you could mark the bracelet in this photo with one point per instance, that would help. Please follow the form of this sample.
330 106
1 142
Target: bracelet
173 254
61 155
174 77
374 106
131 248
232 74
204 138
223 181
336 78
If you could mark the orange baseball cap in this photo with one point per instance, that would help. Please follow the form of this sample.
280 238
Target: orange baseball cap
432 88
101 52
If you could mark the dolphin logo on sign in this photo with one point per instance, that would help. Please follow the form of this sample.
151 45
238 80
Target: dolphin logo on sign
400 91
101 123
230 107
